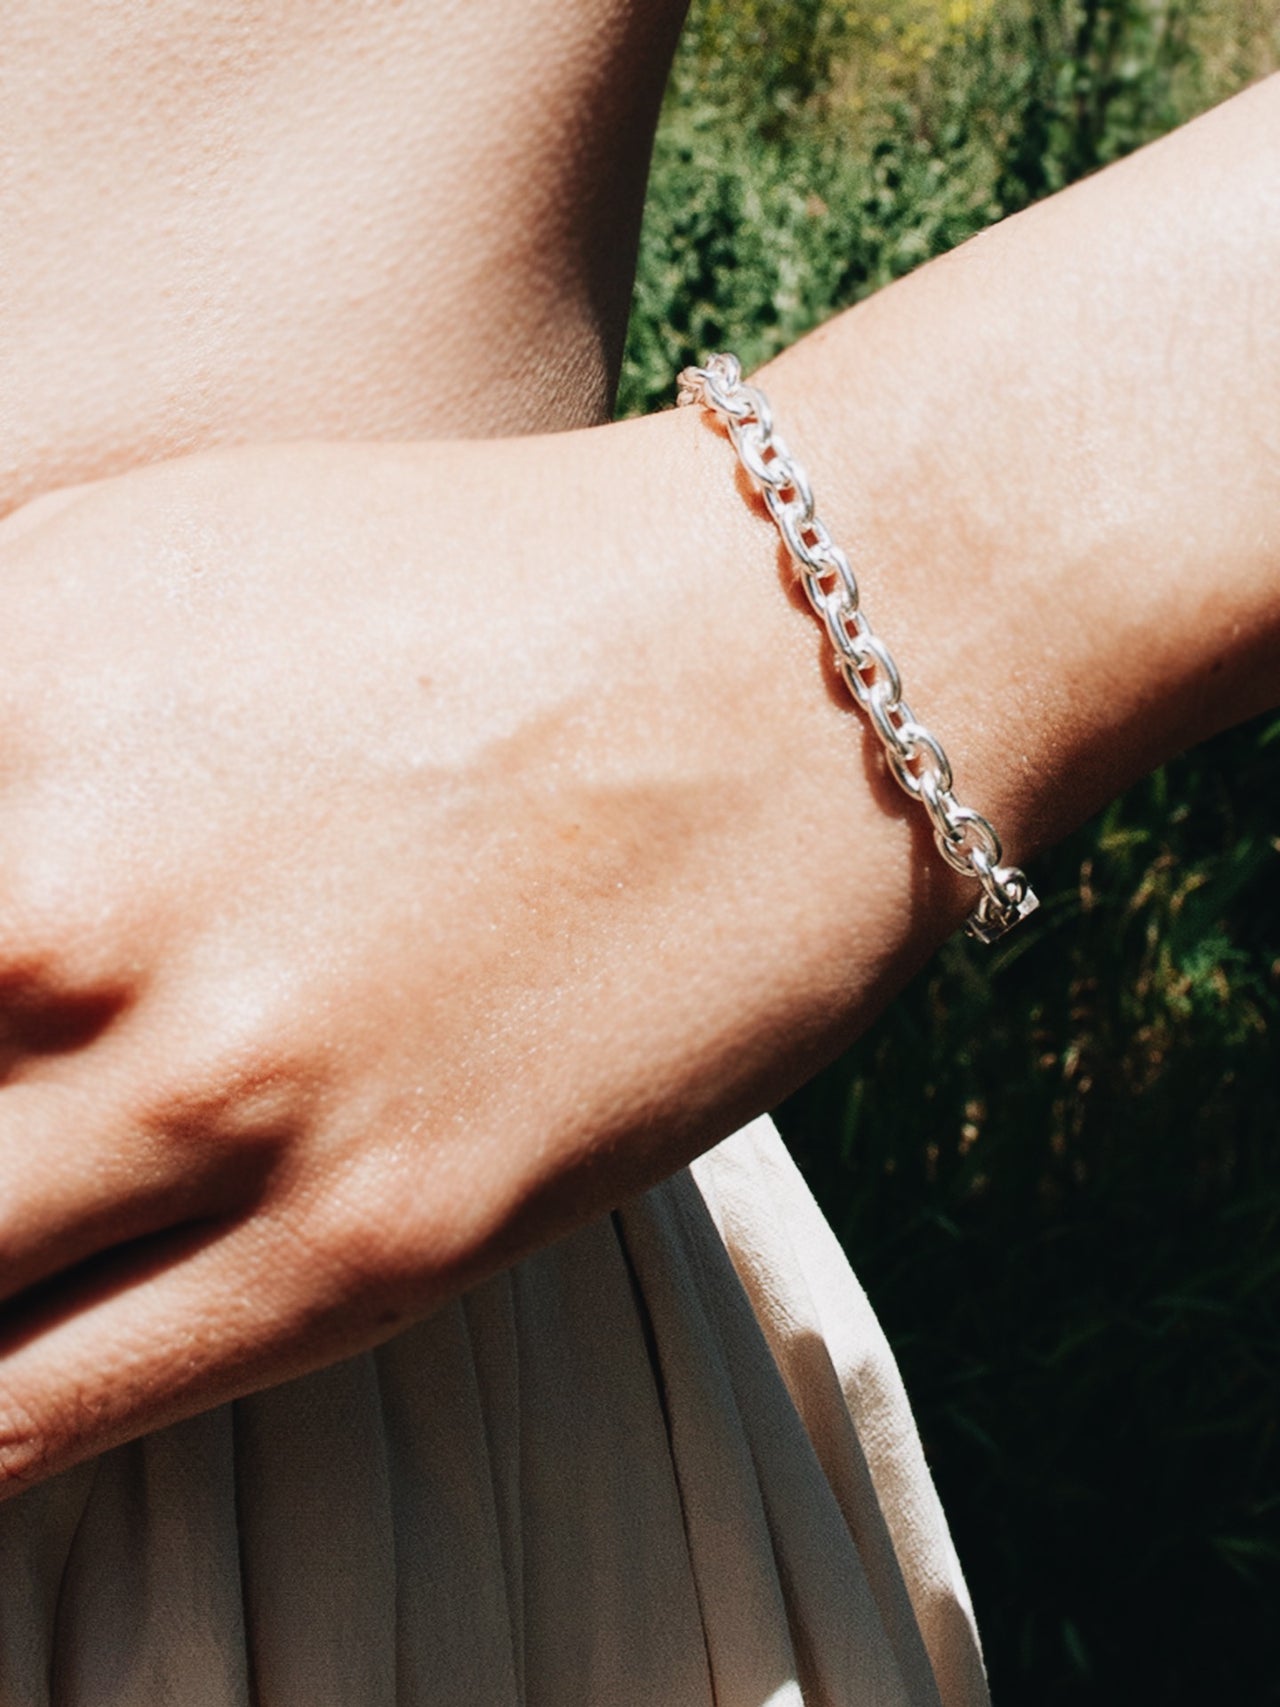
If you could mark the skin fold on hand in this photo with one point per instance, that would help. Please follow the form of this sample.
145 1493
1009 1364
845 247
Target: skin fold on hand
409 851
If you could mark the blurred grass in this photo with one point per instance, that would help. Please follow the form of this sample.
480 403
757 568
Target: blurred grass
1056 1167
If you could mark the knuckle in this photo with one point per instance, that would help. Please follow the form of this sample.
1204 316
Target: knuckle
401 1230
56 922
367 1240
35 949
59 987
248 1084
371 1231
26 1449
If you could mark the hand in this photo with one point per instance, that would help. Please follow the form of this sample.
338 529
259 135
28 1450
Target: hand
297 771
377 831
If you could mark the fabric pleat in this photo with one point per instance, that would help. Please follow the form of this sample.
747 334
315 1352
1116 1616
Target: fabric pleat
666 1462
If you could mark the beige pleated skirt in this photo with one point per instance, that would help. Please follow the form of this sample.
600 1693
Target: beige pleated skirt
666 1463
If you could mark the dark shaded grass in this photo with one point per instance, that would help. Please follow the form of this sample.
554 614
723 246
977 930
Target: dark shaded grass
1057 1173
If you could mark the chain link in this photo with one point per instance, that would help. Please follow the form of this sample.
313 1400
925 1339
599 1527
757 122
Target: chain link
914 755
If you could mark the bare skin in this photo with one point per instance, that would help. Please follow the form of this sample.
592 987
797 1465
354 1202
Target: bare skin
239 221
399 864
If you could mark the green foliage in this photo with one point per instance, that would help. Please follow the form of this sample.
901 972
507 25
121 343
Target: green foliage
748 244
1057 1171
786 48
1083 84
754 233
1056 1167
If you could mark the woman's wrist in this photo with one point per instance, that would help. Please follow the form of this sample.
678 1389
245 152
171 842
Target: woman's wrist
1053 457
1049 457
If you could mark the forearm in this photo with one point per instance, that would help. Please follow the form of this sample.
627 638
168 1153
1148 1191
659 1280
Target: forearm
1053 459
1057 452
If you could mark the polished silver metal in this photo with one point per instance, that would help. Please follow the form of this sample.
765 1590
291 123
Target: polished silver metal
914 755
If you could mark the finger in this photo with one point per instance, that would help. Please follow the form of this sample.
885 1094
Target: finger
82 1170
153 1335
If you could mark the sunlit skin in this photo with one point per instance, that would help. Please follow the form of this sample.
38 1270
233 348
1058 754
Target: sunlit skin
412 842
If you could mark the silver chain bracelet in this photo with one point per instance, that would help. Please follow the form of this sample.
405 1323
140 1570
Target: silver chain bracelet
965 839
